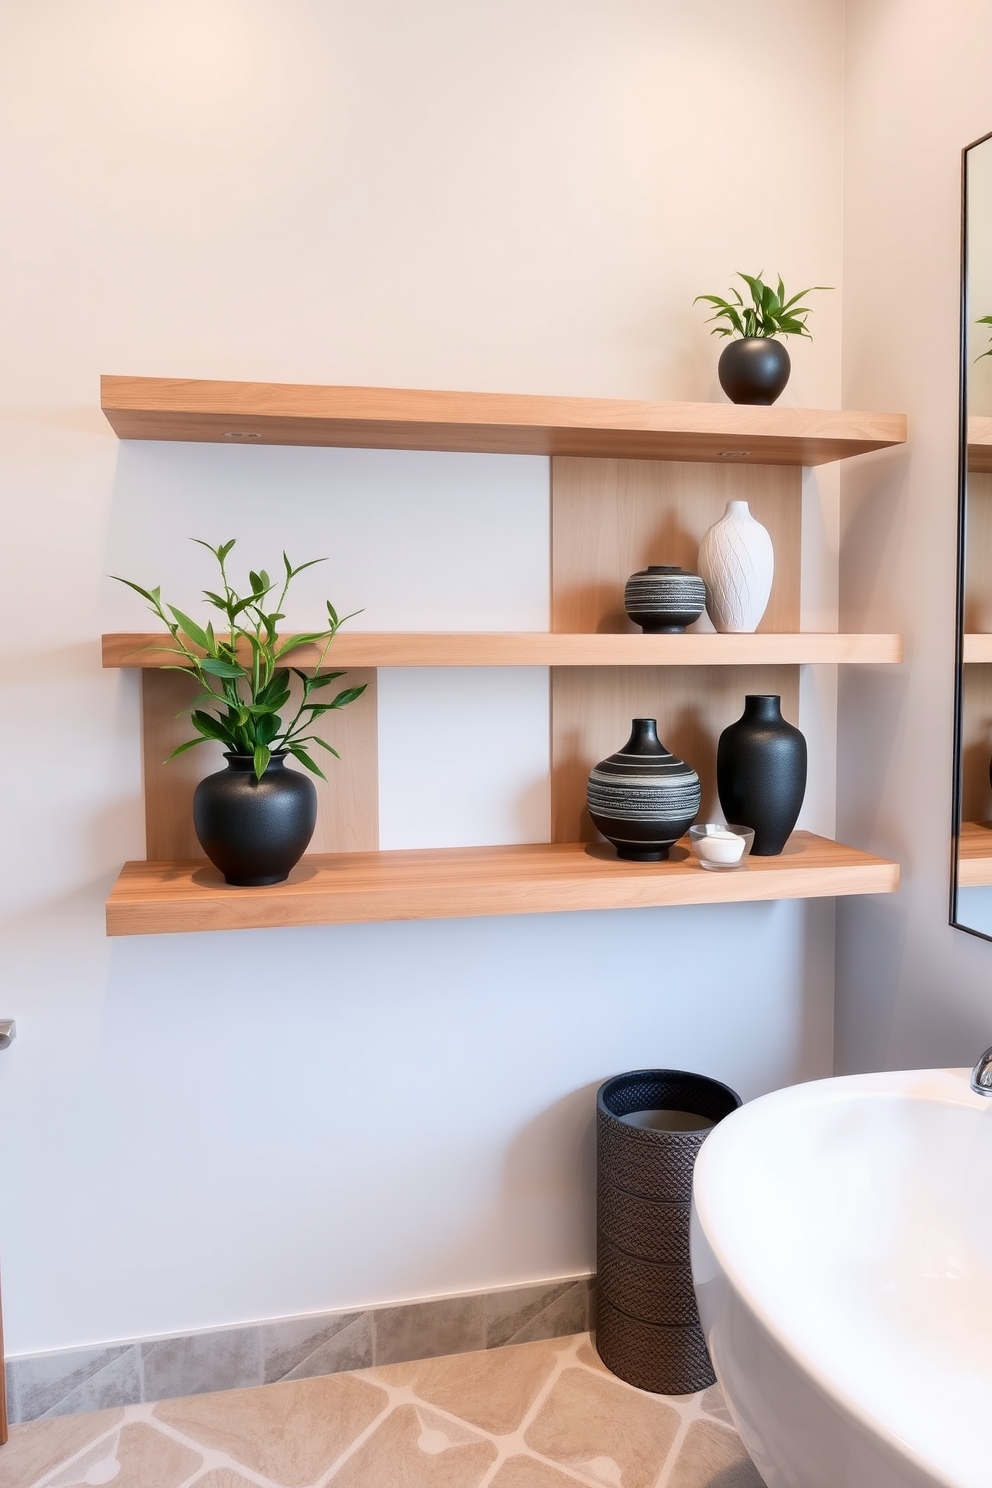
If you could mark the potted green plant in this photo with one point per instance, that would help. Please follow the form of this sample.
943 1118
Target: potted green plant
755 367
985 320
254 819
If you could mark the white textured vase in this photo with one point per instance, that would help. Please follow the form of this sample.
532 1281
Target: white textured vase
736 562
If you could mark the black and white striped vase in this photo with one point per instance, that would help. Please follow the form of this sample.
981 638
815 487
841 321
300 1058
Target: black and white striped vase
664 599
643 798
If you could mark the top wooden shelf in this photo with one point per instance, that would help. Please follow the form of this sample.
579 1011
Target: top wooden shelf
500 423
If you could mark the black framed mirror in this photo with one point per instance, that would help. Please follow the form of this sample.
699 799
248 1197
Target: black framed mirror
971 857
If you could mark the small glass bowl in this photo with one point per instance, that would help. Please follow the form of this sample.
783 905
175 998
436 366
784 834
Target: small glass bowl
714 845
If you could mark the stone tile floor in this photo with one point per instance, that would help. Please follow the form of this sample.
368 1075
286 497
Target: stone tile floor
533 1415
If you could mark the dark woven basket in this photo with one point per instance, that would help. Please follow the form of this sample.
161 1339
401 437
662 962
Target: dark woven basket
669 1361
647 1325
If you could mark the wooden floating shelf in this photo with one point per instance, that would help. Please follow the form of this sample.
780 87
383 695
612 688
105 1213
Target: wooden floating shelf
343 888
481 649
979 444
169 408
977 647
975 855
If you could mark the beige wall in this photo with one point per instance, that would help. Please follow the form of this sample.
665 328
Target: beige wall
910 991
523 195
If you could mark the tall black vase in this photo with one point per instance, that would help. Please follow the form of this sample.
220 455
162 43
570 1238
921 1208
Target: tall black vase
761 773
254 830
643 797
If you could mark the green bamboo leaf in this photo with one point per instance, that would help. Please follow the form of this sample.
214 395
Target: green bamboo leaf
151 595
182 748
262 757
299 753
209 727
216 667
292 572
316 739
320 679
348 696
305 638
278 682
190 628
266 729
241 606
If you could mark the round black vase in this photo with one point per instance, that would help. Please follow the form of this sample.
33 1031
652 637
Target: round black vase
761 773
254 830
754 370
663 599
643 797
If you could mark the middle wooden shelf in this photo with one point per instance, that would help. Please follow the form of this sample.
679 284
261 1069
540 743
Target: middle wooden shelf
551 649
159 898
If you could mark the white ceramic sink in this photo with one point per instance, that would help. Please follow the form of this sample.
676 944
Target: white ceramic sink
842 1253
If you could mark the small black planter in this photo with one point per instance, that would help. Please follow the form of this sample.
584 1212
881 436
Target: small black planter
664 599
754 370
647 1325
761 773
253 830
643 797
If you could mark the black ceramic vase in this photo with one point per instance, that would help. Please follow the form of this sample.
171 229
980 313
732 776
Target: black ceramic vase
664 599
761 773
254 830
754 370
643 798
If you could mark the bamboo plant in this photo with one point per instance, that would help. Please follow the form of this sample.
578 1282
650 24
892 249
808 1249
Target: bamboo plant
768 314
244 682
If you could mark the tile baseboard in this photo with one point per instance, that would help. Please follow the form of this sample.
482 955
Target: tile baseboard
70 1381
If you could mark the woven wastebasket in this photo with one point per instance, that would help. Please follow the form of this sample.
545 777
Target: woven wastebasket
647 1325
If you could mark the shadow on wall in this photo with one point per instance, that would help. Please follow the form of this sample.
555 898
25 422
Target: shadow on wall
873 521
873 701
880 947
550 1172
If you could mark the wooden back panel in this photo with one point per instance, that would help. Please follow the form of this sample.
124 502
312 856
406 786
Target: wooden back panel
612 517
591 710
609 518
978 559
976 743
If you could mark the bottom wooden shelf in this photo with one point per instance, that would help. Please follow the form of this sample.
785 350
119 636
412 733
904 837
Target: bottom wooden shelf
539 878
975 855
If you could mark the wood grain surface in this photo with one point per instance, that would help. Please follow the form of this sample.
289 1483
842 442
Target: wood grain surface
979 444
403 418
977 648
541 648
975 855
610 518
591 712
159 898
976 742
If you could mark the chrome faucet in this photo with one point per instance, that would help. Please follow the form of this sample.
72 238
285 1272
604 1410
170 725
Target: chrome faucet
981 1075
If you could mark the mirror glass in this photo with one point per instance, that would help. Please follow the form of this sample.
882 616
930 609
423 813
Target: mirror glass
971 889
